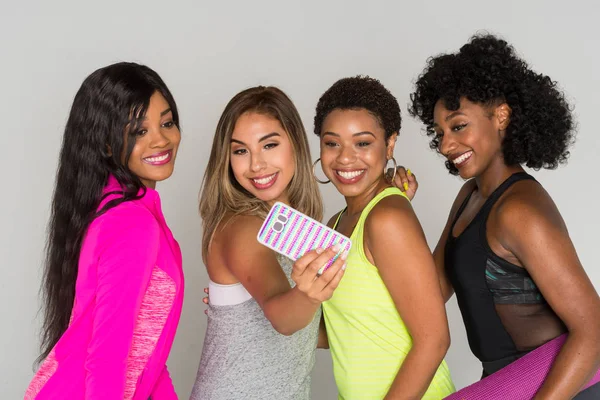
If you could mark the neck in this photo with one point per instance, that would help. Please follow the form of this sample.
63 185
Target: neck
494 175
149 184
282 199
356 204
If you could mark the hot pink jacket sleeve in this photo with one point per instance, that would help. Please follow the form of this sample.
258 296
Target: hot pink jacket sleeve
164 389
130 241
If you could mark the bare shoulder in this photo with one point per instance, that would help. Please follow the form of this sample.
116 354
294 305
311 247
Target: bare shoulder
239 226
392 228
390 213
525 206
237 232
390 204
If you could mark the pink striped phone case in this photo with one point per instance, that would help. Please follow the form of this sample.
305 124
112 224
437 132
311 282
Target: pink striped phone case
291 233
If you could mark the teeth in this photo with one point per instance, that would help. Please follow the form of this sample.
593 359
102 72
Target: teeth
350 174
462 158
159 158
264 181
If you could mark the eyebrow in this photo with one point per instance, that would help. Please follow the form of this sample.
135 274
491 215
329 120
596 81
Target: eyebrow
162 114
450 116
262 139
353 135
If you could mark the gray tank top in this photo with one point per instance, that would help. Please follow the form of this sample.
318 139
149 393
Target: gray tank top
244 357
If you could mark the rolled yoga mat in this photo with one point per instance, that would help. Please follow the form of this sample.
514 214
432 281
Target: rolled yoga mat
521 379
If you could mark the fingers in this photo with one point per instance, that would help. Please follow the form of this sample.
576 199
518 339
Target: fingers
413 185
412 180
330 272
316 290
205 300
307 266
406 181
323 281
334 282
401 179
303 262
312 270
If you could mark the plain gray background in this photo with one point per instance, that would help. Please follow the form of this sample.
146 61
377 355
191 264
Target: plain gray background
208 51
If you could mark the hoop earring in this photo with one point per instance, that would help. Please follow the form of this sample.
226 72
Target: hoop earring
315 175
385 169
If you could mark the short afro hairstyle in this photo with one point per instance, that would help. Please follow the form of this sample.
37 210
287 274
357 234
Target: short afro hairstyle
360 92
487 71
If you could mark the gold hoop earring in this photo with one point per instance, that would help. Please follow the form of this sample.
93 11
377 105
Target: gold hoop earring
386 169
315 174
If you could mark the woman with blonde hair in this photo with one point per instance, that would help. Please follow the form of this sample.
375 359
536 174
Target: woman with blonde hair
264 312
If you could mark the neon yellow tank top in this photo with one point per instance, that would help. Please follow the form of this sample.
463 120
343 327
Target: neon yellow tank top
367 337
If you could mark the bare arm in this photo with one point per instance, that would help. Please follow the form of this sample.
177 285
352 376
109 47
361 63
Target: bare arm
256 267
531 228
392 228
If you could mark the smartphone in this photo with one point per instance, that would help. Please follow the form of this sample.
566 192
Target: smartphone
291 233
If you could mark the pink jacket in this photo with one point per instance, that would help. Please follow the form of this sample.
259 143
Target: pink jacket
128 300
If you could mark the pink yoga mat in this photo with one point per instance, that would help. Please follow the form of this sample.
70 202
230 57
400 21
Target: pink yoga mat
519 380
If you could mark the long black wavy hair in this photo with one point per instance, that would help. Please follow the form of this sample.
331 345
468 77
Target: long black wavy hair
487 71
98 140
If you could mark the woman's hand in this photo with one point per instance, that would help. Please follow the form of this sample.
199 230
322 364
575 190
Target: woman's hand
406 181
205 300
305 273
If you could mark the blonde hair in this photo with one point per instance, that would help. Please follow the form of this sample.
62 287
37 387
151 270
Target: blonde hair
222 194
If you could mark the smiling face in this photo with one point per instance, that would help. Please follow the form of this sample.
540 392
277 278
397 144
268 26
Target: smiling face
471 136
156 142
262 157
353 150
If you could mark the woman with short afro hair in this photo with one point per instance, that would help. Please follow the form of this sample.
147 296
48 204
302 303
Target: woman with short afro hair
505 249
386 323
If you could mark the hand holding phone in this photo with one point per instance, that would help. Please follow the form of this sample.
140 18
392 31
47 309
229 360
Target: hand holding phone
315 286
293 234
319 252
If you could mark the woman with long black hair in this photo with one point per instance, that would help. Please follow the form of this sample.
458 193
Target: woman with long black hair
113 282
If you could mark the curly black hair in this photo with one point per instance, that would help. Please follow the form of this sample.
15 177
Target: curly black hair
356 93
487 71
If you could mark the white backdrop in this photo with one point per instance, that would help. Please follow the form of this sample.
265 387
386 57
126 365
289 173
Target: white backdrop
208 51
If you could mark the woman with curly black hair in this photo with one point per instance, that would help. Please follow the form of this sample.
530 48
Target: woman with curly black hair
505 250
386 321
